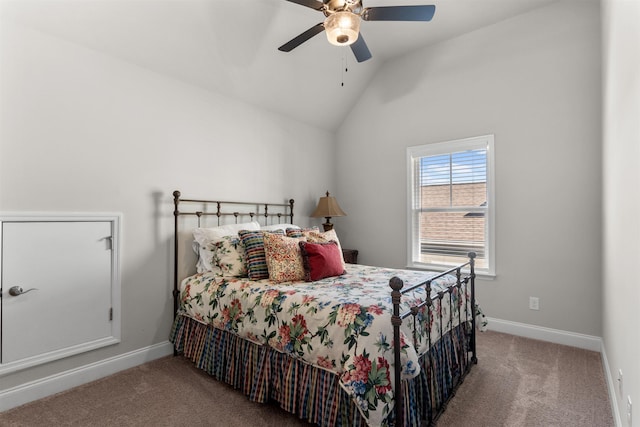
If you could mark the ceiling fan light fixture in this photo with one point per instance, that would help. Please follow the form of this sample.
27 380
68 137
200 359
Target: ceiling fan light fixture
342 28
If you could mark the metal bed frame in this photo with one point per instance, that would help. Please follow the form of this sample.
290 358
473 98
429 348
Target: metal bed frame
397 318
284 211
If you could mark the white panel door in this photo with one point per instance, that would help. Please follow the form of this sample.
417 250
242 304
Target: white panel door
68 264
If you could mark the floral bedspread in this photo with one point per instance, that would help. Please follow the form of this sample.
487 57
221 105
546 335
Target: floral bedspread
341 324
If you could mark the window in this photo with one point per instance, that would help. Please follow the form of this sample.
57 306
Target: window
451 205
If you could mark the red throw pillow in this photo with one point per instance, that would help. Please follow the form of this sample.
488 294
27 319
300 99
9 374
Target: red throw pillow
321 260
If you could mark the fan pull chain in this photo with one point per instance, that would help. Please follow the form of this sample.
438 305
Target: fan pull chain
345 69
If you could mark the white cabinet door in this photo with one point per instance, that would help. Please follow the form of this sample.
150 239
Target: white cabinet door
68 264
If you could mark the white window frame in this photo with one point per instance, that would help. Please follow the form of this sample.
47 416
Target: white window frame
434 149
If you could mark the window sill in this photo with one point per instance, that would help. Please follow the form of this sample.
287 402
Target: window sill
480 274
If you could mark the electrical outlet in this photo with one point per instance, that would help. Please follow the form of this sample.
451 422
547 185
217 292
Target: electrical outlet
620 382
534 303
629 419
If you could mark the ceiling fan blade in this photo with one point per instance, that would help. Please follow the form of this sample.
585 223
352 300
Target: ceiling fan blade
360 49
399 13
297 41
313 4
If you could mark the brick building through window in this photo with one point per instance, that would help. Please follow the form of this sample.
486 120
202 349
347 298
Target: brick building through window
446 237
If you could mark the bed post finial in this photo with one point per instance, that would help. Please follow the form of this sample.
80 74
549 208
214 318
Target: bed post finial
291 211
176 200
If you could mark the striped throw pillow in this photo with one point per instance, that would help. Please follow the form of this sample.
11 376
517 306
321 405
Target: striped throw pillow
253 242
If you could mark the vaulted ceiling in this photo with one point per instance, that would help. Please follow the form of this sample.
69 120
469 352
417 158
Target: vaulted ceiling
230 46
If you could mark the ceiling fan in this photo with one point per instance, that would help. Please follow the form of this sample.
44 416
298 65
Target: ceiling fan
342 22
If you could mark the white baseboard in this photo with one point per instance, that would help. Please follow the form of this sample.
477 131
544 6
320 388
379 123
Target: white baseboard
44 387
611 387
587 342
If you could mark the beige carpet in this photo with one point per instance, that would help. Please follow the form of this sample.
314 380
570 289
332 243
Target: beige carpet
523 382
517 382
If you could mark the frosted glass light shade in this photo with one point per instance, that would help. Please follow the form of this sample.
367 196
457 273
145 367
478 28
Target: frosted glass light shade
342 28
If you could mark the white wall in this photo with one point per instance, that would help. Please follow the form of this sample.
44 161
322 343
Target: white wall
621 139
534 82
81 131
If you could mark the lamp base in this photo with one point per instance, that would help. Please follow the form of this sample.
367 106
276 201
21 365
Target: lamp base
327 226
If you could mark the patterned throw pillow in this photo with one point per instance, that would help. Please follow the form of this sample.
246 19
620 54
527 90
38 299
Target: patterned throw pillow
206 261
321 260
284 259
284 227
253 242
327 236
300 232
228 255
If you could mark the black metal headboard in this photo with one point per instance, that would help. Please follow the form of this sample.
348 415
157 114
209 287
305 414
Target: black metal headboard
236 212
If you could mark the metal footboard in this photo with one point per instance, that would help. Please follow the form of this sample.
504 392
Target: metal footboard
464 282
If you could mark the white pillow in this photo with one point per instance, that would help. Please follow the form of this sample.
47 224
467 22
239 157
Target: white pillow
204 235
276 227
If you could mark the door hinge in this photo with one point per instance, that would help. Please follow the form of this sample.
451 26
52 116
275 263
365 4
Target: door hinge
111 314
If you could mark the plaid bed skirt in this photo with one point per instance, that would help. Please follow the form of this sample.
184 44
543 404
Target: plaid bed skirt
314 394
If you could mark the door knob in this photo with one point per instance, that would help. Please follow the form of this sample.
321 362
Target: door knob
15 291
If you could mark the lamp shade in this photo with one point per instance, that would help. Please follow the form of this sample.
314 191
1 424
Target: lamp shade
328 207
342 28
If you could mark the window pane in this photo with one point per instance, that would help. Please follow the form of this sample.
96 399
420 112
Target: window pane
447 237
435 170
469 166
435 196
472 194
456 179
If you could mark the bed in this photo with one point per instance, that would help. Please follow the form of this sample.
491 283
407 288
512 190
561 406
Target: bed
322 340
